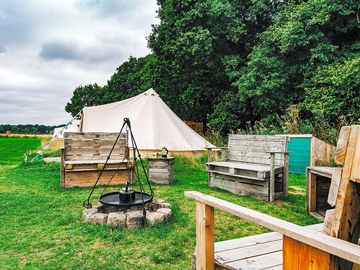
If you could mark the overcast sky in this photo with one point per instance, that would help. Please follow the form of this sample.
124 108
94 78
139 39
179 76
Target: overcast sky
48 48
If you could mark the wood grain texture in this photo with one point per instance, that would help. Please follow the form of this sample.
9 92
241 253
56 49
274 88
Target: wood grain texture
345 190
342 143
300 256
204 237
326 243
334 187
85 155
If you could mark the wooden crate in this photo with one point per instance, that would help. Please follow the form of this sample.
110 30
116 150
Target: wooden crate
161 170
84 156
318 182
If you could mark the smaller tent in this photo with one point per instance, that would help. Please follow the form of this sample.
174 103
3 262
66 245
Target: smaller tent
69 128
153 123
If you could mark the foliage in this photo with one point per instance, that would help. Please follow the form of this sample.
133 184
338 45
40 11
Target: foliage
47 219
27 129
87 95
198 43
310 47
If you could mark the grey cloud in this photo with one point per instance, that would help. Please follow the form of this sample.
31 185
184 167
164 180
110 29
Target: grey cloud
54 46
15 23
94 53
56 50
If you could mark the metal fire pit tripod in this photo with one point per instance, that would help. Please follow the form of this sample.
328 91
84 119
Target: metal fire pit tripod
126 197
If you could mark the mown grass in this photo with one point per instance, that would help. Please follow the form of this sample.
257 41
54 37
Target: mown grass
41 224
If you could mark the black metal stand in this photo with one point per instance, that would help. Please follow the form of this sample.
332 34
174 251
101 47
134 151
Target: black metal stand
140 198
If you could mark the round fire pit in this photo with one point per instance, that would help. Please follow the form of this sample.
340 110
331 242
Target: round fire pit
114 199
120 216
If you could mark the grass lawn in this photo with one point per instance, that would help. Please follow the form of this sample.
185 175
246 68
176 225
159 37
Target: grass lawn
41 226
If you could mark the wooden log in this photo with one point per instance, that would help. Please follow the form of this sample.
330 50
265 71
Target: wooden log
299 256
204 237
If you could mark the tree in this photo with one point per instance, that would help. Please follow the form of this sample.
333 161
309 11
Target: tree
293 58
131 78
88 95
197 44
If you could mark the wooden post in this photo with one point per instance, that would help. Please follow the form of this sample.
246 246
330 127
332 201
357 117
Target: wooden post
299 256
223 153
286 175
209 154
204 237
62 169
272 177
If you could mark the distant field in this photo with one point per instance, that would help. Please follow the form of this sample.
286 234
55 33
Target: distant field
12 150
41 224
25 135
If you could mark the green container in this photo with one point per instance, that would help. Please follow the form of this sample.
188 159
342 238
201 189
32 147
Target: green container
299 158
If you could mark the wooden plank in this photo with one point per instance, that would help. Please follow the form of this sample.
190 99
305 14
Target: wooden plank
247 241
243 165
259 137
345 192
95 161
299 256
337 247
334 187
260 262
92 135
312 193
329 219
204 237
286 176
272 178
62 169
342 143
355 169
241 188
248 251
87 179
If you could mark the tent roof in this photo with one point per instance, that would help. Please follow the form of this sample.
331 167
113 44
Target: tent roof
153 123
69 128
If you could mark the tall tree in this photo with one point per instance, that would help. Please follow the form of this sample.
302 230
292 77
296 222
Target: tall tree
198 43
87 95
292 59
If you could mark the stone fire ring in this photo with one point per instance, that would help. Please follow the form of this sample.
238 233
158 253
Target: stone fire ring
132 218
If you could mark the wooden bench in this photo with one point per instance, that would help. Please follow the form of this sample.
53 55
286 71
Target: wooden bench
252 165
84 155
290 246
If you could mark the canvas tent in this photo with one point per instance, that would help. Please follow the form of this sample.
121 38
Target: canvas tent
69 128
154 124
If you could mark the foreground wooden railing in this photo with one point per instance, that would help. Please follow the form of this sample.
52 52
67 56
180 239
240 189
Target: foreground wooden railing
302 247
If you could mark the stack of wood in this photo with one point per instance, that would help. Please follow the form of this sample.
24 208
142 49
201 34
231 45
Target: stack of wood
85 154
343 221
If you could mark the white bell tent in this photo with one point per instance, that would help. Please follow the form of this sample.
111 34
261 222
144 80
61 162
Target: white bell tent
153 123
69 128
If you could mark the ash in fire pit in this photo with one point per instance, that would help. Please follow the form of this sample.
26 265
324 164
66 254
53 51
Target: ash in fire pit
131 218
